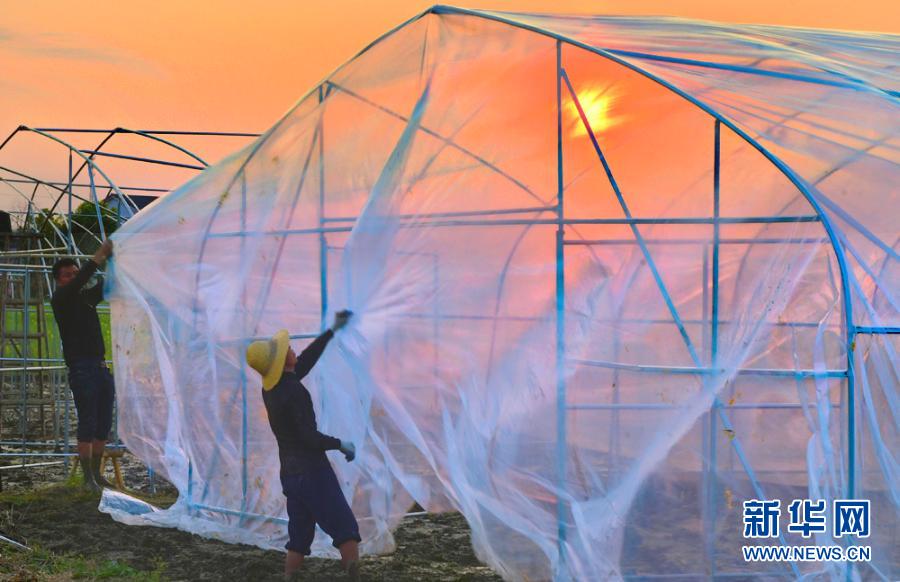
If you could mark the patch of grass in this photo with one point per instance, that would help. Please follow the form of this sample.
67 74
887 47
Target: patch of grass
71 491
42 565
15 321
66 492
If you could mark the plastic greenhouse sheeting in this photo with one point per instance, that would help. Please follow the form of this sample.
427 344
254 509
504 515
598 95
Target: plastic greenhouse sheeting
612 278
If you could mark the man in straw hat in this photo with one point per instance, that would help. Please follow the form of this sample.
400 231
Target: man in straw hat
309 483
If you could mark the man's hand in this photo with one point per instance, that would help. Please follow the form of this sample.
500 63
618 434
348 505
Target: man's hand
104 252
340 319
349 450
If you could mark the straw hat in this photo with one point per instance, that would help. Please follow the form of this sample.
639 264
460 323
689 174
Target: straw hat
267 357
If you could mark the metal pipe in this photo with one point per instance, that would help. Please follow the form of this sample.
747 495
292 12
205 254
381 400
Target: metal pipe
26 349
266 518
519 184
456 214
561 437
37 454
25 444
149 131
323 243
30 368
539 221
71 241
712 371
664 406
144 160
96 203
777 162
80 185
877 330
855 85
29 252
29 465
698 241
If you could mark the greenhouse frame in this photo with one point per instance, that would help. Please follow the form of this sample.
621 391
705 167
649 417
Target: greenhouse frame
606 273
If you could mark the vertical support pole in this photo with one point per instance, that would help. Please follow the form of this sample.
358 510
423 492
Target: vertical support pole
96 201
712 432
71 242
706 468
705 304
244 333
323 248
615 425
714 341
190 487
560 328
436 315
851 425
26 352
244 418
851 408
67 398
323 242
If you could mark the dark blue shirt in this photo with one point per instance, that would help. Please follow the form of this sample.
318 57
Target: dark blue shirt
289 405
75 310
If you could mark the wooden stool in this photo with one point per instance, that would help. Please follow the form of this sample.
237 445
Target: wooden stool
115 455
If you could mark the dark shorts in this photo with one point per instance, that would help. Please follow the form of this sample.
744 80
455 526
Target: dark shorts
94 392
315 497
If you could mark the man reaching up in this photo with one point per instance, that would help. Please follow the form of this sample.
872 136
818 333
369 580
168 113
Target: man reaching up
313 493
75 310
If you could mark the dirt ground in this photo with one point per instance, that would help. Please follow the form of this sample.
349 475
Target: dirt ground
39 509
63 520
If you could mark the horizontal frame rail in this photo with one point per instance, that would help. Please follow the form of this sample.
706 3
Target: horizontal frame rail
707 371
537 222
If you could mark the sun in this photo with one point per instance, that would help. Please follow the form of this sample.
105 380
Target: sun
598 103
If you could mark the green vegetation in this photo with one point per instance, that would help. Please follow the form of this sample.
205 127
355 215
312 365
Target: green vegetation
85 226
41 565
14 322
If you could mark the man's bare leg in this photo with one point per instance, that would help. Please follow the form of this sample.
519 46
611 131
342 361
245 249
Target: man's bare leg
85 458
292 562
350 558
97 448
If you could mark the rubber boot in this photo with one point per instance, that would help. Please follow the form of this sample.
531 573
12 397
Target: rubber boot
87 469
96 463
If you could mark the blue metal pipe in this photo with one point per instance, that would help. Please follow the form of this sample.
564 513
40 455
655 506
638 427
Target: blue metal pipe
801 185
526 210
537 221
699 241
244 413
711 371
518 183
664 406
561 438
855 85
877 330
241 514
637 234
323 243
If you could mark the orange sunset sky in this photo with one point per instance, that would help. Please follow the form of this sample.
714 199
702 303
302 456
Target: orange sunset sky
238 65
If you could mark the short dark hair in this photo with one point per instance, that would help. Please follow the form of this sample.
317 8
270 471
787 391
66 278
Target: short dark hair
62 264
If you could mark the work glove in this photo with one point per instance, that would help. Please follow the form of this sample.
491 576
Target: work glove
340 319
349 450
